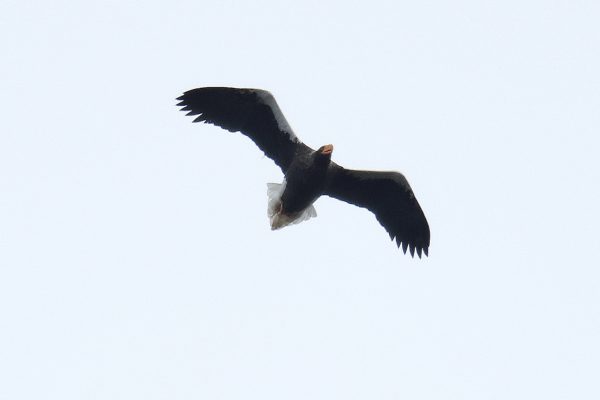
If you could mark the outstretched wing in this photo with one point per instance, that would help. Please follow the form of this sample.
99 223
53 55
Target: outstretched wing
389 196
253 112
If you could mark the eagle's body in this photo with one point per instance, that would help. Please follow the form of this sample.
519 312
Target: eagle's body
306 180
309 174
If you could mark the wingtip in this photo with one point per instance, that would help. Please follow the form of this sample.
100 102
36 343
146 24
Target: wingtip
420 250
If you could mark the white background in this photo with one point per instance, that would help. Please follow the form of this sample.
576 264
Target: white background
136 259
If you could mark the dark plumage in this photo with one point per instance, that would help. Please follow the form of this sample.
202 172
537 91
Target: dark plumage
308 173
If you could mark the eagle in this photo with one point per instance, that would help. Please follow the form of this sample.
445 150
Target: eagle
308 173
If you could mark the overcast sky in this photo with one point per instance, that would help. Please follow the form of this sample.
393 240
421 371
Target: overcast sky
136 258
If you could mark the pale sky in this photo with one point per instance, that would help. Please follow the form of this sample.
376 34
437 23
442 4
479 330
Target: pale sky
136 258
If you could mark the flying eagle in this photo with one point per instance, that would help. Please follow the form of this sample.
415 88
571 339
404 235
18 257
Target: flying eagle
309 173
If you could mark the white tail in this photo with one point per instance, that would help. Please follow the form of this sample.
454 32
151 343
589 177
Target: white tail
276 217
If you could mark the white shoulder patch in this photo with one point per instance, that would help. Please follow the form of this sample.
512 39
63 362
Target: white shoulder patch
268 99
276 217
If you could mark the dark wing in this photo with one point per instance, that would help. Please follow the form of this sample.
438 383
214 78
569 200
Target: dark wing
253 112
389 196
